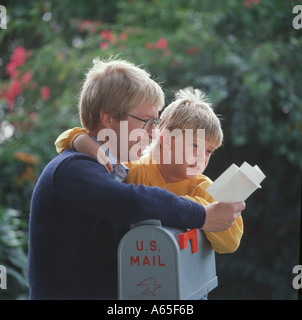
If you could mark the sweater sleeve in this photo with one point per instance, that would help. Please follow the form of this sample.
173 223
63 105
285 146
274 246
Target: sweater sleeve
81 182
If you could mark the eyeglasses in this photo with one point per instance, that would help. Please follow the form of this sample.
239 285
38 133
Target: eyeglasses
148 122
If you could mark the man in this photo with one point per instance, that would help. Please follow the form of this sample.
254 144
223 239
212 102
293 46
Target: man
80 211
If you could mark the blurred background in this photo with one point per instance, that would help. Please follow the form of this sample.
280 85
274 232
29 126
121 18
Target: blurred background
245 54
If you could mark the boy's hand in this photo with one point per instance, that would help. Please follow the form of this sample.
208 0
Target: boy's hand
221 215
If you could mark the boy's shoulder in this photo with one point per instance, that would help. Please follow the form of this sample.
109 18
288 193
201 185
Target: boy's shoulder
201 178
140 164
139 171
199 184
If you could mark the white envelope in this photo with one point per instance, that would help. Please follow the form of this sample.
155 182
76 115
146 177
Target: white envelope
236 184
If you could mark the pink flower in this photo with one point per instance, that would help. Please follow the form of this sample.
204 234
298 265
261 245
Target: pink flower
248 3
26 77
149 46
192 50
11 70
123 36
104 45
175 63
45 93
33 116
13 91
107 35
89 26
161 43
19 56
84 25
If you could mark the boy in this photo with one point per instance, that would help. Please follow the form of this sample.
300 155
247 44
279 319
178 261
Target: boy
189 111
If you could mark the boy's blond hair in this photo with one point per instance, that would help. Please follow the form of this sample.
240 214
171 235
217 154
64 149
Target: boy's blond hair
192 110
116 87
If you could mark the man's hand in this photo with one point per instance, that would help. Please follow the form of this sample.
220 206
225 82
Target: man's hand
221 215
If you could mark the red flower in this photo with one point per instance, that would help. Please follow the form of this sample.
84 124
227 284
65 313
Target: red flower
26 77
107 35
45 93
175 63
192 50
248 3
161 43
149 46
89 26
123 36
18 59
19 56
33 116
11 70
104 45
13 91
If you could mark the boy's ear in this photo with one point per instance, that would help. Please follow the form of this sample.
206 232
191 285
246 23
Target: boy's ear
105 119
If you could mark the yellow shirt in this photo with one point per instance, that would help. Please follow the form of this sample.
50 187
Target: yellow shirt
142 172
148 174
65 139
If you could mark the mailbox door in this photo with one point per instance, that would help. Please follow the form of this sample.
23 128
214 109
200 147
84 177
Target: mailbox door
148 265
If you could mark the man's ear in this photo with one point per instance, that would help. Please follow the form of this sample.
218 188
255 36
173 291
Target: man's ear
105 119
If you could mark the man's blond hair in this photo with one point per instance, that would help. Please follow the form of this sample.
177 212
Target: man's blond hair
116 87
192 110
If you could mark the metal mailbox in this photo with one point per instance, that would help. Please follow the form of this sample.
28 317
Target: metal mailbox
163 263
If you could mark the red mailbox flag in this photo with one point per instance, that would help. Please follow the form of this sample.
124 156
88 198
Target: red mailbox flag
189 235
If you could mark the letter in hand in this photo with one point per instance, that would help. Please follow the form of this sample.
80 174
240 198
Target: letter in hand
220 216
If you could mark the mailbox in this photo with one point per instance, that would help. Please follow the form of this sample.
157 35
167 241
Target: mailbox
163 263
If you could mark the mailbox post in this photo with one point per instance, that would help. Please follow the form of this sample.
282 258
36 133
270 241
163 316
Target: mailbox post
163 263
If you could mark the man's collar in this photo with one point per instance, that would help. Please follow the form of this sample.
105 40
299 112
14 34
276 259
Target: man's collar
119 171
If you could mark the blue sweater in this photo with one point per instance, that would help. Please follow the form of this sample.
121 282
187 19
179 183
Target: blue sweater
78 215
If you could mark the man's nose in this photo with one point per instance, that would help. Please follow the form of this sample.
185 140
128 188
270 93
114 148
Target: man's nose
149 131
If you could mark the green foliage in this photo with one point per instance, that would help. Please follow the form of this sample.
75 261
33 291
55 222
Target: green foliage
237 54
13 238
244 54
